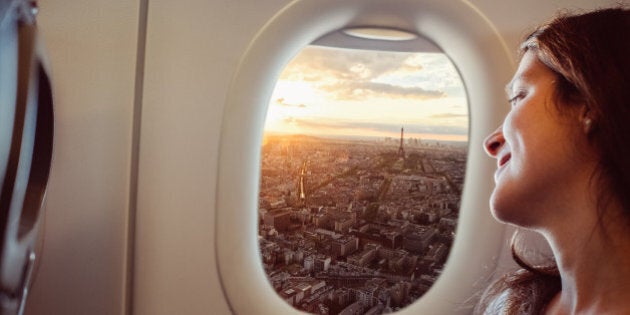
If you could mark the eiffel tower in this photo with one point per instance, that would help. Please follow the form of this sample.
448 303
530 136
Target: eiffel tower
401 151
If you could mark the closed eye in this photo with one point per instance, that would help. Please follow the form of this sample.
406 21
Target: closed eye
515 98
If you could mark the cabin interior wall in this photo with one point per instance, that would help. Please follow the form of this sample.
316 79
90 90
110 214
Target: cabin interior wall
189 63
192 51
91 47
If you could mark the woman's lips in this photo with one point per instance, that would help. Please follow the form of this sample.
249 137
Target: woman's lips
504 159
500 163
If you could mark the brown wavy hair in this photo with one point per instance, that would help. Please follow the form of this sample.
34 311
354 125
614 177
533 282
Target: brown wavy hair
590 56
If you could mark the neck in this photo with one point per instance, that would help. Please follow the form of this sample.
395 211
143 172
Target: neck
593 257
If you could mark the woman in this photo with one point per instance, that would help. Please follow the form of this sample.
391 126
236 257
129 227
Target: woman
563 156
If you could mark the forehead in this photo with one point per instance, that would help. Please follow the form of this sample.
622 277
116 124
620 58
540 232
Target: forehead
530 70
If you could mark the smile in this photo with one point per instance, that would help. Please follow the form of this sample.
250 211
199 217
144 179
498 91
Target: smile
500 163
503 160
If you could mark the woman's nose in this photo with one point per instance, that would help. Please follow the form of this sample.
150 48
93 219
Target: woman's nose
494 142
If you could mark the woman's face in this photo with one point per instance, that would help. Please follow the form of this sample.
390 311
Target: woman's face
535 150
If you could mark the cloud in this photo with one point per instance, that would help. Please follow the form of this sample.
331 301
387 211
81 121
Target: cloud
358 74
319 124
448 115
361 90
282 102
319 63
350 81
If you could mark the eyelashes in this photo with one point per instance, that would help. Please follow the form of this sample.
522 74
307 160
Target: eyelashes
516 98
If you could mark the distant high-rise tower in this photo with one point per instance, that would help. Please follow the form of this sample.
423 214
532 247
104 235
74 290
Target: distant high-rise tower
401 151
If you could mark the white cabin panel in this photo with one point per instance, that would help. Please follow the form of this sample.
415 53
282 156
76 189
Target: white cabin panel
91 47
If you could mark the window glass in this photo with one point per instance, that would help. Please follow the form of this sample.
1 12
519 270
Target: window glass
363 162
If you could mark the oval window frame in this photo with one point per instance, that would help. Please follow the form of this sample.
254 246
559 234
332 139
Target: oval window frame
484 63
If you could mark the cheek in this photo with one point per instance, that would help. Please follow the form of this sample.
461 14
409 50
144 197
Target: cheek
526 137
512 124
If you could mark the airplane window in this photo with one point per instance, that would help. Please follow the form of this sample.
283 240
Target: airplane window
363 162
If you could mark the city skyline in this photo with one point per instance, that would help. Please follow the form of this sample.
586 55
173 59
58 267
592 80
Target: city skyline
360 227
336 92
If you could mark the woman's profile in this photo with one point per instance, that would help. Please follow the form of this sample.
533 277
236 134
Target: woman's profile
563 167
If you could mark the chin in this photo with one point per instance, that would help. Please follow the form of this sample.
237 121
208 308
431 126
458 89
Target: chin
509 211
501 215
518 220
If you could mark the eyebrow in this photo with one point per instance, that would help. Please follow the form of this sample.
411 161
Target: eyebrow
523 77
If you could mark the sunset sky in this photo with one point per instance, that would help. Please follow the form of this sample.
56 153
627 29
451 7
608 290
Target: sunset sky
342 92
